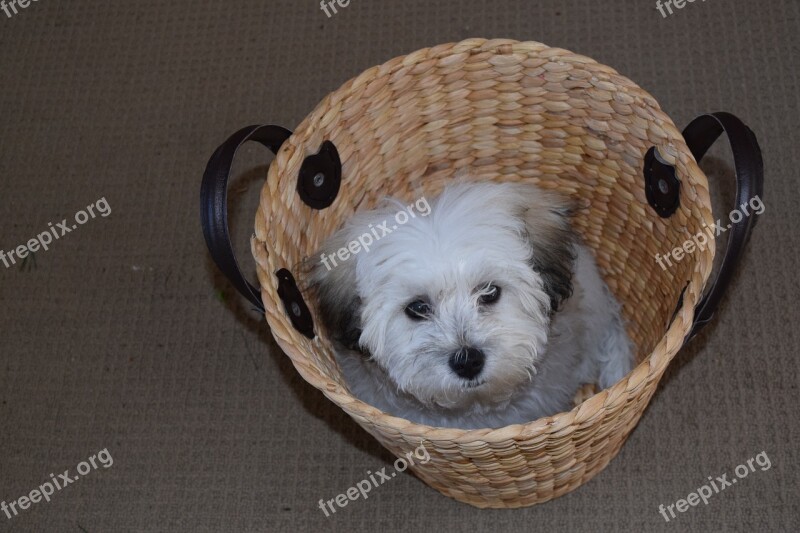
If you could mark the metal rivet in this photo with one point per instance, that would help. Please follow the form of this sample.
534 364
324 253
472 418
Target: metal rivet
319 179
662 186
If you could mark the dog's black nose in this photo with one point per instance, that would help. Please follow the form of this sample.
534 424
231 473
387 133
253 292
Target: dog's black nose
467 362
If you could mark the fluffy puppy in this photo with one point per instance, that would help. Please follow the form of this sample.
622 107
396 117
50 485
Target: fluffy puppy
484 312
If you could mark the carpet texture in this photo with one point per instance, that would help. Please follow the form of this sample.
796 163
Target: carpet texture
123 337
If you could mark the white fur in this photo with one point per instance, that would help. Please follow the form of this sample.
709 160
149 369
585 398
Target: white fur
479 233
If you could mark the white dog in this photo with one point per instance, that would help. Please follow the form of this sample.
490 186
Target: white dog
484 312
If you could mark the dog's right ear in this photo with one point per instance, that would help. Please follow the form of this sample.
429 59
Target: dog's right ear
334 283
546 215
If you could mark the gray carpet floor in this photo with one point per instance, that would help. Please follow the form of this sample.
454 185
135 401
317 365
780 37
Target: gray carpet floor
123 337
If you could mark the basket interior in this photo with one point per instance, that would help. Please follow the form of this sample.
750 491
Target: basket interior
494 110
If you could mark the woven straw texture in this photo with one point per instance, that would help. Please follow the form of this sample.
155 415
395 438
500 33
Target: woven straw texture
508 111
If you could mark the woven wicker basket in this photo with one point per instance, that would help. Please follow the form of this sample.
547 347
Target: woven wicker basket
507 111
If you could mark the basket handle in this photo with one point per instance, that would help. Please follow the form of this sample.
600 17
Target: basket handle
214 202
700 134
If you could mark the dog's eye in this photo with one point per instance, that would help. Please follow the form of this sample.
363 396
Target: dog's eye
489 294
418 310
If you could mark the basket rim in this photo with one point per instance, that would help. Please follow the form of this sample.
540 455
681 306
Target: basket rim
649 369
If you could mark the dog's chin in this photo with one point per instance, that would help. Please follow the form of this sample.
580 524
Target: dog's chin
486 390
469 394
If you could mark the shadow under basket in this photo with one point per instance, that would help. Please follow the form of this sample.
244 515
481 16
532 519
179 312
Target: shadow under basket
507 111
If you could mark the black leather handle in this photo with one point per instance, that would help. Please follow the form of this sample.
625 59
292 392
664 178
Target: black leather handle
214 202
700 134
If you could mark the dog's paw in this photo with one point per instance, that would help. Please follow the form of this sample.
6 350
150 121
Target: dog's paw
584 393
617 357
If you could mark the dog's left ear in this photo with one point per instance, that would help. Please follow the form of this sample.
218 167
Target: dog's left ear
334 283
546 215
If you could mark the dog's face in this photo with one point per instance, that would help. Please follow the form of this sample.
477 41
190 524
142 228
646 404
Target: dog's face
454 306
